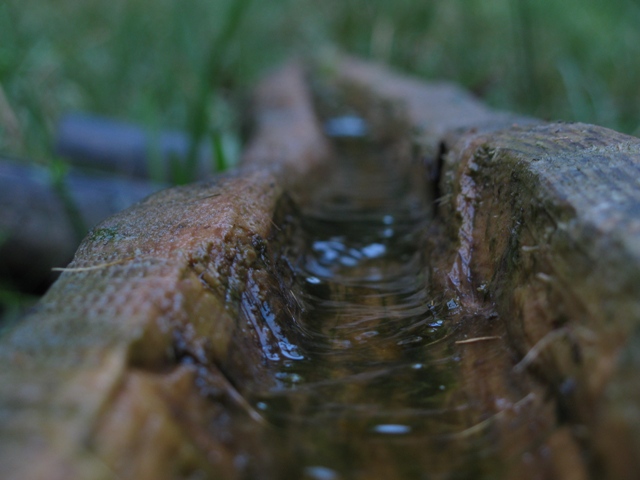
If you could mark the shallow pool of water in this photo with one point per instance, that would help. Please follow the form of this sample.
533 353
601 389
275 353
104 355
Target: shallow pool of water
364 390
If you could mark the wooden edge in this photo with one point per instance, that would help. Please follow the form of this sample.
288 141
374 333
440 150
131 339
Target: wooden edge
436 111
535 235
542 221
286 129
160 282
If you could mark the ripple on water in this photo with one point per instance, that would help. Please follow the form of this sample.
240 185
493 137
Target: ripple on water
370 366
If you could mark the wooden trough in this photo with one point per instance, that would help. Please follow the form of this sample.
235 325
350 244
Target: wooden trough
160 351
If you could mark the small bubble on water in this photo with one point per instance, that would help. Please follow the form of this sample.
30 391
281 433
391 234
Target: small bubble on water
392 429
349 261
442 387
261 406
387 219
417 366
329 250
374 250
320 473
313 280
346 126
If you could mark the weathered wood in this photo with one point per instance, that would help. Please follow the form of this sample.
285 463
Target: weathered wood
158 282
543 222
139 361
554 218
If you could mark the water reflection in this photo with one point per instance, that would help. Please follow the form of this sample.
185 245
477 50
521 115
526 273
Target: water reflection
370 369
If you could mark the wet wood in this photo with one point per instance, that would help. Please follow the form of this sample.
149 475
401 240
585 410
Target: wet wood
542 222
553 212
150 357
95 373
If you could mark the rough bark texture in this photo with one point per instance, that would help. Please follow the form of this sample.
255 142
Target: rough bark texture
123 369
92 384
553 212
543 222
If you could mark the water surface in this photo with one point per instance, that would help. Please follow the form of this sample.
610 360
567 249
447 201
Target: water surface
364 390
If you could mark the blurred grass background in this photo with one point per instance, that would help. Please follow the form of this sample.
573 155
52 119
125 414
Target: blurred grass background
169 64
143 60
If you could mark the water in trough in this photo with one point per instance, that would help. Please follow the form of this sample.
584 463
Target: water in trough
364 390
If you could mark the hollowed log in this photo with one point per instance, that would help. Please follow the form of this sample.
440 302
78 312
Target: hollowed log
145 358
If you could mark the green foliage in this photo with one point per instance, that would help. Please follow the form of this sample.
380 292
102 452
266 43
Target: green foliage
58 175
186 64
210 80
13 305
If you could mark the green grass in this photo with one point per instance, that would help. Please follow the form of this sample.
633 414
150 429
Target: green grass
13 305
145 61
170 64
187 64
